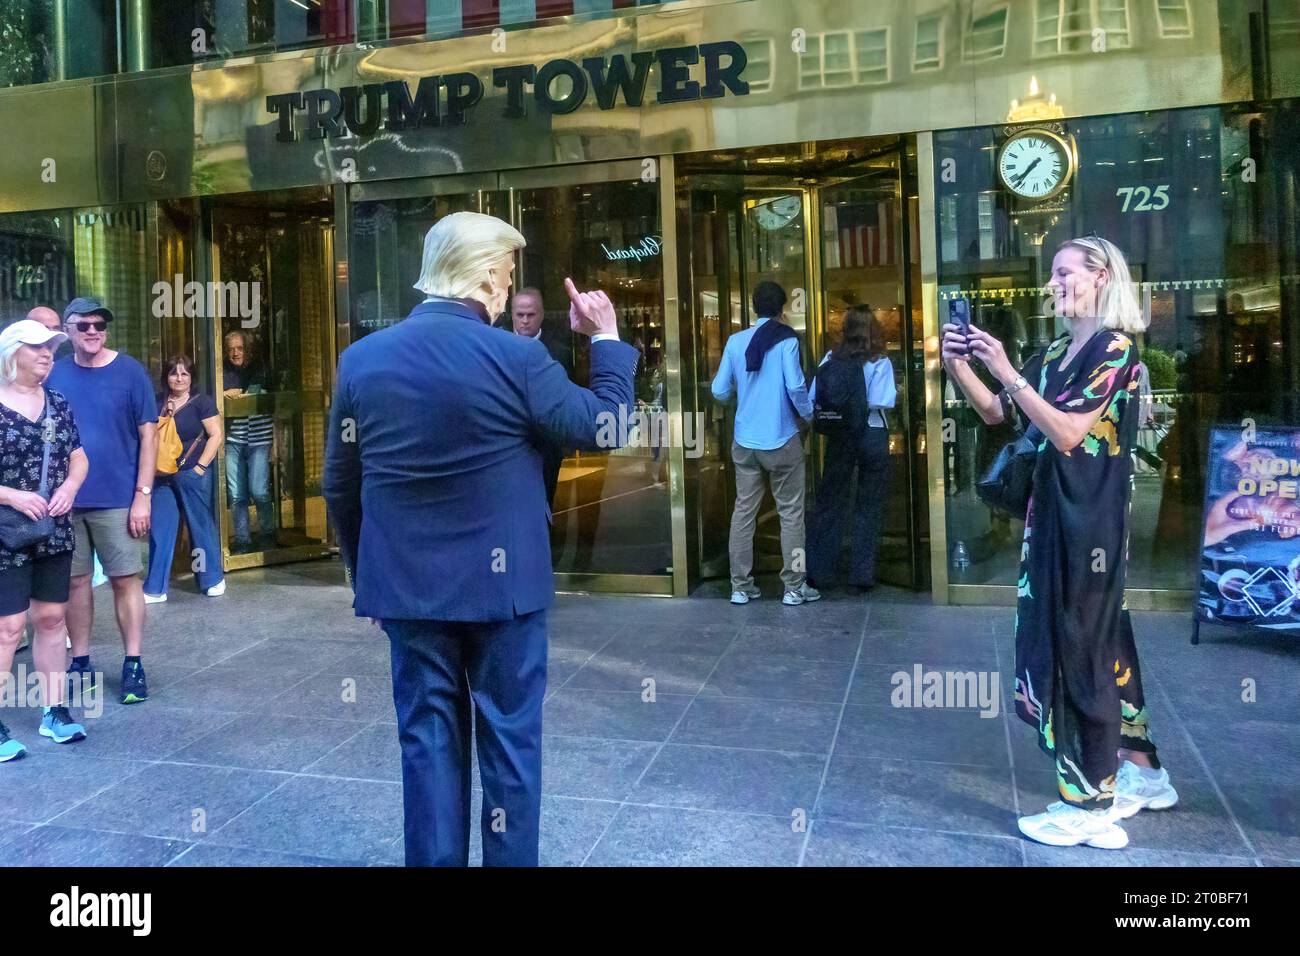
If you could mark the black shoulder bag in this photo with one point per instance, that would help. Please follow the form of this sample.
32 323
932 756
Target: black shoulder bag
1009 481
17 531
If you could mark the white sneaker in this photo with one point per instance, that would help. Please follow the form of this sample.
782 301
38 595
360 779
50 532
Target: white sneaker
803 594
1064 825
154 598
217 589
745 595
1141 788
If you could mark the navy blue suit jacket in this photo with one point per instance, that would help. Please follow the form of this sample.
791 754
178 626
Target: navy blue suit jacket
438 502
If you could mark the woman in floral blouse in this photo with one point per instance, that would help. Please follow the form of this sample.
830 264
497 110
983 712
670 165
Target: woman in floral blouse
36 578
1077 678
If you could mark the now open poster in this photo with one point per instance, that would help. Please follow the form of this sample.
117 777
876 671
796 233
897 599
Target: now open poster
1250 545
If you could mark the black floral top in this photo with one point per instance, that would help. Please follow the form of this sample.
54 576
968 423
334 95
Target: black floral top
22 447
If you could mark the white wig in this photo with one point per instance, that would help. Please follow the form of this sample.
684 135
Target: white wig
460 249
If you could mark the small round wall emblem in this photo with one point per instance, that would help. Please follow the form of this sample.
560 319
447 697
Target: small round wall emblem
155 165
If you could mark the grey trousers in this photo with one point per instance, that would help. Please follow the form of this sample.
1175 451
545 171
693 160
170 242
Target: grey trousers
784 469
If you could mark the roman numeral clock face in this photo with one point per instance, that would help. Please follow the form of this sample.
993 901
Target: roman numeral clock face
1035 164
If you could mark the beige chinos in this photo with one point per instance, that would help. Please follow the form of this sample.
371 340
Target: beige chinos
784 470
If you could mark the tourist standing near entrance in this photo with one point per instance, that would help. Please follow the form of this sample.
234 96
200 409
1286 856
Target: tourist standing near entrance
859 378
248 447
434 482
186 493
41 467
1077 677
761 367
113 403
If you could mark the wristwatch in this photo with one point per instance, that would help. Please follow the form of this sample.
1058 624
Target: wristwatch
1017 385
144 490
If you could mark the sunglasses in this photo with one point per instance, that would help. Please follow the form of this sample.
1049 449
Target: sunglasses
98 326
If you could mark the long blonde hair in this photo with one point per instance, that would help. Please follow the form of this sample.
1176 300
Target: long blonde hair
1117 301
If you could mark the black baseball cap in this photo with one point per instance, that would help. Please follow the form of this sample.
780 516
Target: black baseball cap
86 306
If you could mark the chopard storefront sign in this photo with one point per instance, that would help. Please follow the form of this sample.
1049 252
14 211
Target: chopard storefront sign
449 99
647 247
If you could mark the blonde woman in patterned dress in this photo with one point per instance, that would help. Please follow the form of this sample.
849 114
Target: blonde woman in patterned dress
1077 677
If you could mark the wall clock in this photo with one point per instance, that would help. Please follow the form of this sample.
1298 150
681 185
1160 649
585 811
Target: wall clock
1036 163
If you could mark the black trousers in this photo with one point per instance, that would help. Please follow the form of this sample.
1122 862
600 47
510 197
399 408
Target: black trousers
869 457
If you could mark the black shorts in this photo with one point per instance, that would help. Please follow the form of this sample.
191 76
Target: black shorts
44 579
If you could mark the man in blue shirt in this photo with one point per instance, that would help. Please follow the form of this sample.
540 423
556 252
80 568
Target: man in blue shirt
113 403
761 367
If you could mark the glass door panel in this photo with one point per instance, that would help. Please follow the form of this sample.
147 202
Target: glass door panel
275 374
599 225
865 244
611 511
389 222
738 233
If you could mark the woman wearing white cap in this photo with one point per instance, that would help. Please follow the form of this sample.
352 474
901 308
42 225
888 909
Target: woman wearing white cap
42 465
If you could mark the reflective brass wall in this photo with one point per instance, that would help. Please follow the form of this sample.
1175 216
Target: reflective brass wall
818 69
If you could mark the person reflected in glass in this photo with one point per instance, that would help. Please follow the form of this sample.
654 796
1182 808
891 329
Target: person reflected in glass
187 494
861 372
1077 677
527 313
248 448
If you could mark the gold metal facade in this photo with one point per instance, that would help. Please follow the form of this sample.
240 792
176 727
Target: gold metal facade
818 70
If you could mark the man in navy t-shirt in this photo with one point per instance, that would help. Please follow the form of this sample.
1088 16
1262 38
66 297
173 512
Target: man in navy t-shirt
113 403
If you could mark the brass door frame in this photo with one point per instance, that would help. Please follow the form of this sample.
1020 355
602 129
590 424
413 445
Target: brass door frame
510 182
810 192
212 211
911 429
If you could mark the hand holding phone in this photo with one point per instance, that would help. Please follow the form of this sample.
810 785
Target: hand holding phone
959 315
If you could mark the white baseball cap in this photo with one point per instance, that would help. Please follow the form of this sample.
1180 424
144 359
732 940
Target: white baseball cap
30 332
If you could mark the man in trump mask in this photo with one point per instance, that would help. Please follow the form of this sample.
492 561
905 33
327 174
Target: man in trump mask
433 478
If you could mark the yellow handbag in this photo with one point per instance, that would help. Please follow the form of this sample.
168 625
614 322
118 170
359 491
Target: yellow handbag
169 445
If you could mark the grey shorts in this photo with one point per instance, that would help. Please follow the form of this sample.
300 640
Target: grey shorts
105 531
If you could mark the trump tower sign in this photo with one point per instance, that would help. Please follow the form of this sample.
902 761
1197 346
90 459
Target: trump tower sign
1250 546
556 87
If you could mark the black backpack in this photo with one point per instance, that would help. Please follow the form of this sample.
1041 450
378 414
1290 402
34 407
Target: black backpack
841 398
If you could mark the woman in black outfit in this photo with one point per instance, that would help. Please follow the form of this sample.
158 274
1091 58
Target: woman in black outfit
36 577
860 369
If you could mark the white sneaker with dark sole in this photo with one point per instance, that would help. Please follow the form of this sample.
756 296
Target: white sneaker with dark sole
1064 825
1141 788
803 594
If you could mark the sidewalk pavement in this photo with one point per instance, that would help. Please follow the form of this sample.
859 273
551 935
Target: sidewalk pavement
771 739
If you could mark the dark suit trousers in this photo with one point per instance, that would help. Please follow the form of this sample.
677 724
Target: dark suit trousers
441 671
870 457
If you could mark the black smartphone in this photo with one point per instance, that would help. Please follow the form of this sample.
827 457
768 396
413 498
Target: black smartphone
959 315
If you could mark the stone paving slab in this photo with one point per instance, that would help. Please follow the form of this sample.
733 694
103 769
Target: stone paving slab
771 739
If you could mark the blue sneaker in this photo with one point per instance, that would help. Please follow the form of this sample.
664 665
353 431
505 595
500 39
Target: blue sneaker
58 725
134 688
81 681
10 749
